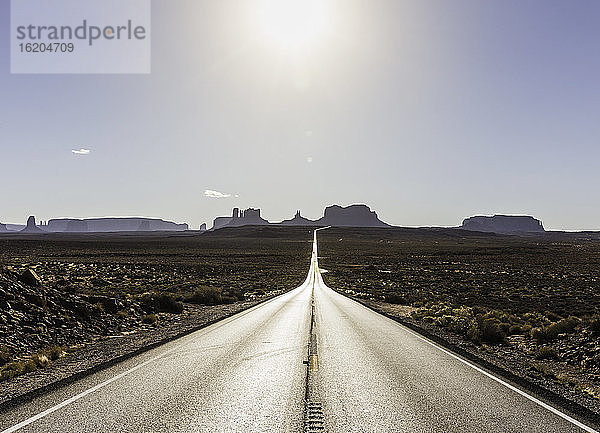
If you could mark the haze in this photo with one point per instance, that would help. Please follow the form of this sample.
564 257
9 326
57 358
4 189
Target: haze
427 111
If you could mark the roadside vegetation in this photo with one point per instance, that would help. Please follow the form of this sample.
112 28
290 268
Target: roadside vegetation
537 298
67 291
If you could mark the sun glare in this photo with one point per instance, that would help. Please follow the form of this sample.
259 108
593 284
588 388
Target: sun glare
294 23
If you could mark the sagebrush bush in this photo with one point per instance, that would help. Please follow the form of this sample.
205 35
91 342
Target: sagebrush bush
163 303
168 304
205 296
149 319
553 330
491 331
515 330
546 352
394 298
594 324
5 355
40 359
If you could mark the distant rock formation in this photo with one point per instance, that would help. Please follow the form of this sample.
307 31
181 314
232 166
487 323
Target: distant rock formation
356 215
104 225
203 227
504 224
31 227
3 228
298 220
144 226
79 226
240 218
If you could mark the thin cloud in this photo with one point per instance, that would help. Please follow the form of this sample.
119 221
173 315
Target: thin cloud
215 194
81 151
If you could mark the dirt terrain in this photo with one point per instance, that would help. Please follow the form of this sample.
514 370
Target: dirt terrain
59 293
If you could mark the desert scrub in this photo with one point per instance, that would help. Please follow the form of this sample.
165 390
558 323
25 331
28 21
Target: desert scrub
122 314
478 325
206 296
149 319
38 360
555 329
161 303
543 369
546 352
594 324
5 355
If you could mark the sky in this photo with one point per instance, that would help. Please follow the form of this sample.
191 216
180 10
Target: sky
427 111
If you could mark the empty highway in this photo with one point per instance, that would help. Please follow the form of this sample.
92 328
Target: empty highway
308 360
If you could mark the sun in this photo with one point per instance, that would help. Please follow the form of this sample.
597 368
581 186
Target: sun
294 24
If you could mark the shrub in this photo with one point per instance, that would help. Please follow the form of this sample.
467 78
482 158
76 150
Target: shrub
553 330
149 319
168 304
228 299
394 298
595 324
539 334
234 295
205 296
553 317
5 355
563 326
30 365
54 352
474 334
163 303
543 369
546 352
515 330
40 360
491 331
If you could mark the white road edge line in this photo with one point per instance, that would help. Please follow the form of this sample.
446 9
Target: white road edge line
131 370
502 382
480 370
81 395
485 373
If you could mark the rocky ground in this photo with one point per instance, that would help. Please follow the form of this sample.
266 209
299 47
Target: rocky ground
63 333
69 304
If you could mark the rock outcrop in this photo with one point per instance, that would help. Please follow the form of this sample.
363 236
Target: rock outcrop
298 220
31 227
30 278
356 215
503 224
248 217
203 227
100 225
3 228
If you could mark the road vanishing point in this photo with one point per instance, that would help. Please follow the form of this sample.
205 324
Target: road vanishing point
310 360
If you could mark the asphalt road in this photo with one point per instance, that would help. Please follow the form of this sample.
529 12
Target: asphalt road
247 373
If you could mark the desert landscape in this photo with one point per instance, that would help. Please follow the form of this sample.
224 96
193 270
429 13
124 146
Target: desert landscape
61 293
529 304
